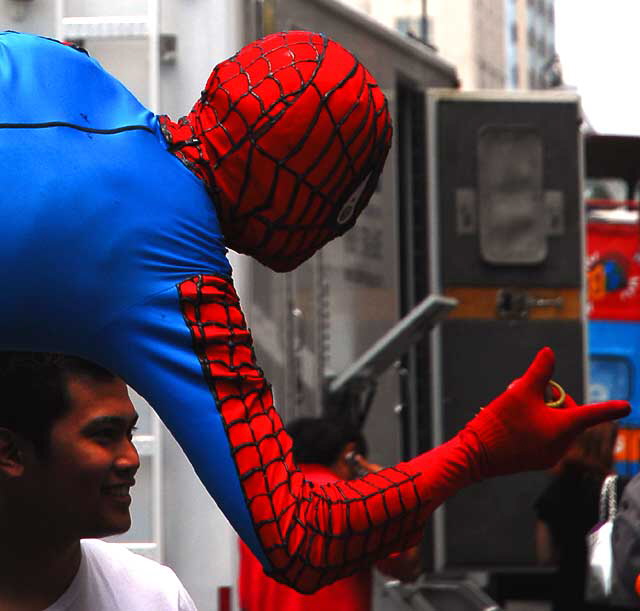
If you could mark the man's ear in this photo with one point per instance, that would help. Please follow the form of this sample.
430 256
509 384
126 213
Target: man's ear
344 465
11 454
349 449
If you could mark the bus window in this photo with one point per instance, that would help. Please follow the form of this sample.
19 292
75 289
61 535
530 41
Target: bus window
610 378
605 188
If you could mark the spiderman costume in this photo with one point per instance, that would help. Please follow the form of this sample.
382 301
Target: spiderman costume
115 224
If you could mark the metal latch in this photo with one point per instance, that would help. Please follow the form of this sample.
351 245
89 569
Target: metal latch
515 304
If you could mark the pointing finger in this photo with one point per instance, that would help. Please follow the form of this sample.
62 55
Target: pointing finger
585 416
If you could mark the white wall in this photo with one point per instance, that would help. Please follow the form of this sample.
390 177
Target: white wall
36 17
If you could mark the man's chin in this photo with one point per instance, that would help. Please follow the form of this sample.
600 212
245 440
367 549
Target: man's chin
110 528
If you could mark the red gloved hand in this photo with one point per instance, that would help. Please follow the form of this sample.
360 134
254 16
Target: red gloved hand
520 432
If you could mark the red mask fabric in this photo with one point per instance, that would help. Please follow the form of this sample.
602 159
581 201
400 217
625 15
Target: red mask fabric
290 136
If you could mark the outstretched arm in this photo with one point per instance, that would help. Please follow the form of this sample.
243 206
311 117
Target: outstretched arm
200 374
312 535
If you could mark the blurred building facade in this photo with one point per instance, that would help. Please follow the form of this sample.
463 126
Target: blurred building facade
494 44
531 59
472 38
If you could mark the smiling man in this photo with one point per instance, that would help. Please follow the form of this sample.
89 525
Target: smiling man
67 464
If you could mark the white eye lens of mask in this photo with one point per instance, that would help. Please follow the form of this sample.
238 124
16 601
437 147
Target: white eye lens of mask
349 207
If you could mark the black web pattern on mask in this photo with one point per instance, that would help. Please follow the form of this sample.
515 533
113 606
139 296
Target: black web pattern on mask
302 190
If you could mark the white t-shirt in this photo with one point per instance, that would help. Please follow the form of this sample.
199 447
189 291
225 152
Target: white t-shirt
112 578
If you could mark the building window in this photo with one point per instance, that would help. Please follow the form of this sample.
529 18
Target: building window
541 47
411 26
515 75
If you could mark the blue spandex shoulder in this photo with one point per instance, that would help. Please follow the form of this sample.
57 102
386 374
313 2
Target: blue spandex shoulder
43 80
94 221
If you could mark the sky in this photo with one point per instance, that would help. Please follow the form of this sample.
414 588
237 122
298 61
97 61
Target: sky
598 42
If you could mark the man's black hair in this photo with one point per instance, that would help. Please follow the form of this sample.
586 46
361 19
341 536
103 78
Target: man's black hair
320 441
34 393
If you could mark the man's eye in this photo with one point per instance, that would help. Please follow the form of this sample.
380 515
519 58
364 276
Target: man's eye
108 434
132 431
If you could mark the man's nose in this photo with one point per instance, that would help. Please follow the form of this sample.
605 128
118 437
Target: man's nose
128 457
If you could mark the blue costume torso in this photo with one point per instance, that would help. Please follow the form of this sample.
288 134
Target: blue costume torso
99 225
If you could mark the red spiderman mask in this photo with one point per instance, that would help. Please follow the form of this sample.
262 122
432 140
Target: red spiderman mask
290 136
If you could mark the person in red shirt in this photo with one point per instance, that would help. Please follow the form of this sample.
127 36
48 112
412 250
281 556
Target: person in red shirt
325 453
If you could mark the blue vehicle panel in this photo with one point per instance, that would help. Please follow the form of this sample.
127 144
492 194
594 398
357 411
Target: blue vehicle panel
614 351
614 354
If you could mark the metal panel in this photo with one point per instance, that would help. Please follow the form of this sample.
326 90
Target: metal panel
461 122
492 524
435 594
510 195
511 305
